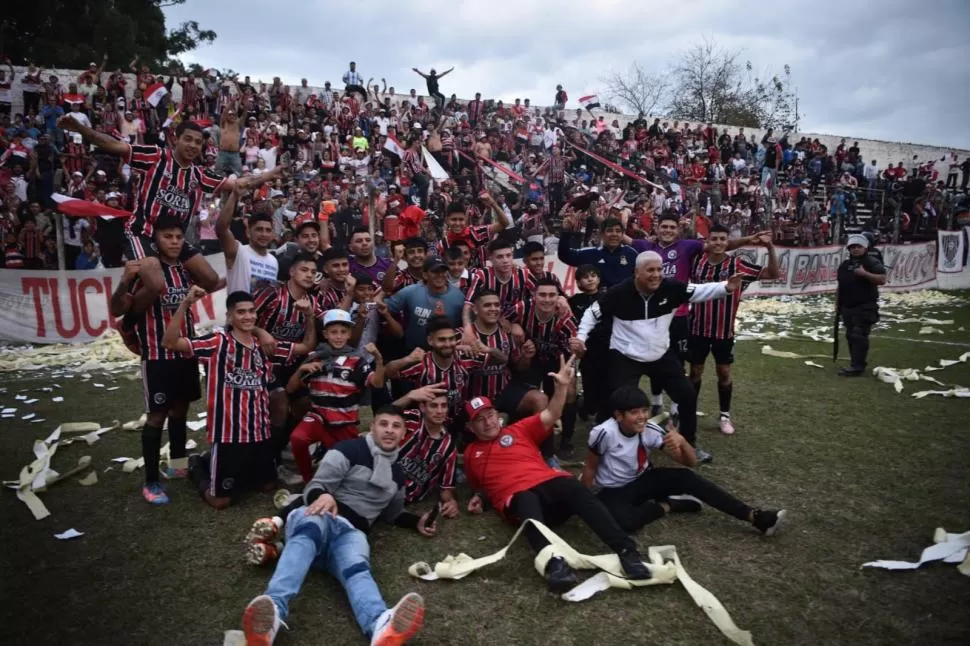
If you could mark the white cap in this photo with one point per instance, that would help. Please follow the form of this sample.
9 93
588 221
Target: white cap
859 239
337 316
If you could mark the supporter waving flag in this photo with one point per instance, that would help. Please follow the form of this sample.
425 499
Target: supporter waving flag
83 209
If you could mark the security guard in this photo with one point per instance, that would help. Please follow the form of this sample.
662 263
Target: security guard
858 299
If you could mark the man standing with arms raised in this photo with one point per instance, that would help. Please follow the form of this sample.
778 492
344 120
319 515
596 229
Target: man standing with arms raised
641 310
712 322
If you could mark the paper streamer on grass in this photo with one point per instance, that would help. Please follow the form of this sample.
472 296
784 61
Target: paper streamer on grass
959 393
946 363
664 565
947 547
896 376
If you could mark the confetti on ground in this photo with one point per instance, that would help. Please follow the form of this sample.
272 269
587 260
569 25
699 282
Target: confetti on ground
57 399
947 547
69 534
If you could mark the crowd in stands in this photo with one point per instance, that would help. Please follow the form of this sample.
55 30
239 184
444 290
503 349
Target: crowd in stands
358 147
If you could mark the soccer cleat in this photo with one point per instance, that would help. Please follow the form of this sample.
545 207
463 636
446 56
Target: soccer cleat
726 426
264 530
155 494
769 521
632 564
259 553
261 621
399 624
560 577
703 457
851 372
682 503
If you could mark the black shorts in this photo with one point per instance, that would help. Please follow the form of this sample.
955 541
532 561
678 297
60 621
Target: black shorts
511 396
679 335
281 377
235 468
701 346
170 381
137 247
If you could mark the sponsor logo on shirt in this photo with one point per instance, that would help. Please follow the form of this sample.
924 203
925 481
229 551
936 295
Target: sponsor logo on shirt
244 379
174 199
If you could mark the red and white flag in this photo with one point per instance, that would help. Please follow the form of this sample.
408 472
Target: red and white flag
589 101
154 93
394 146
76 208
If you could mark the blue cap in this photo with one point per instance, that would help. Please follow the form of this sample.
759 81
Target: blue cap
336 316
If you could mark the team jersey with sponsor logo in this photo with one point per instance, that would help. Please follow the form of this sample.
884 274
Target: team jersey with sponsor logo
167 188
476 236
715 319
550 335
336 391
150 325
428 462
277 314
519 287
237 380
492 379
456 377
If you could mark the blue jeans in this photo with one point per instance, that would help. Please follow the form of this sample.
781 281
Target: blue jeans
332 544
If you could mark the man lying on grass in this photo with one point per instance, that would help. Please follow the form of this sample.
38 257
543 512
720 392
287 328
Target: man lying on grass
507 465
356 483
637 493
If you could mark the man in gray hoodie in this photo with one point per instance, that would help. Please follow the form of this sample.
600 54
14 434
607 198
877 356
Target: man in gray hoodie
357 482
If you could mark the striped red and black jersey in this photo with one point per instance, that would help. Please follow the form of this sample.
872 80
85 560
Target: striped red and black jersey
150 325
493 377
477 237
277 314
167 188
336 391
428 462
715 319
403 279
548 275
456 377
33 244
519 287
331 298
550 335
237 380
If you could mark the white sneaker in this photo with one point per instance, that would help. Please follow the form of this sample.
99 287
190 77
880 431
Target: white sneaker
288 476
726 426
261 621
399 624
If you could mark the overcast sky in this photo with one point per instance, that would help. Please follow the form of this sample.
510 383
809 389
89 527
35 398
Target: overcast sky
896 70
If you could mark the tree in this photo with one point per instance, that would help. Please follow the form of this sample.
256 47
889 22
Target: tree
710 84
72 33
638 90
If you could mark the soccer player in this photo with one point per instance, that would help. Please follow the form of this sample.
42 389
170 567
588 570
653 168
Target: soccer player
172 185
288 312
712 322
249 267
428 454
442 363
336 375
548 332
534 258
415 252
678 256
170 381
636 492
357 482
511 394
476 237
339 294
238 374
504 465
512 284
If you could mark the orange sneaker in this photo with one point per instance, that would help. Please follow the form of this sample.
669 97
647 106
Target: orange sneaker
402 622
261 621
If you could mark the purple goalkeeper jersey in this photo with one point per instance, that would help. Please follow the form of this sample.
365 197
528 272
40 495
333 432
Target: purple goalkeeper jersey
375 271
678 259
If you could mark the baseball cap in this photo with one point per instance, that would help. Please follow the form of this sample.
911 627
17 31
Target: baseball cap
476 406
336 316
434 263
276 193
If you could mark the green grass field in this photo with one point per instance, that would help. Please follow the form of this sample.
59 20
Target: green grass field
865 473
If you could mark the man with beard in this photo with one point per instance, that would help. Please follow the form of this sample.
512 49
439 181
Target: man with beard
679 255
504 465
415 251
363 260
512 283
173 185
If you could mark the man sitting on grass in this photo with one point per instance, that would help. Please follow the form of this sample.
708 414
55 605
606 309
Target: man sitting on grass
357 482
506 464
637 493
